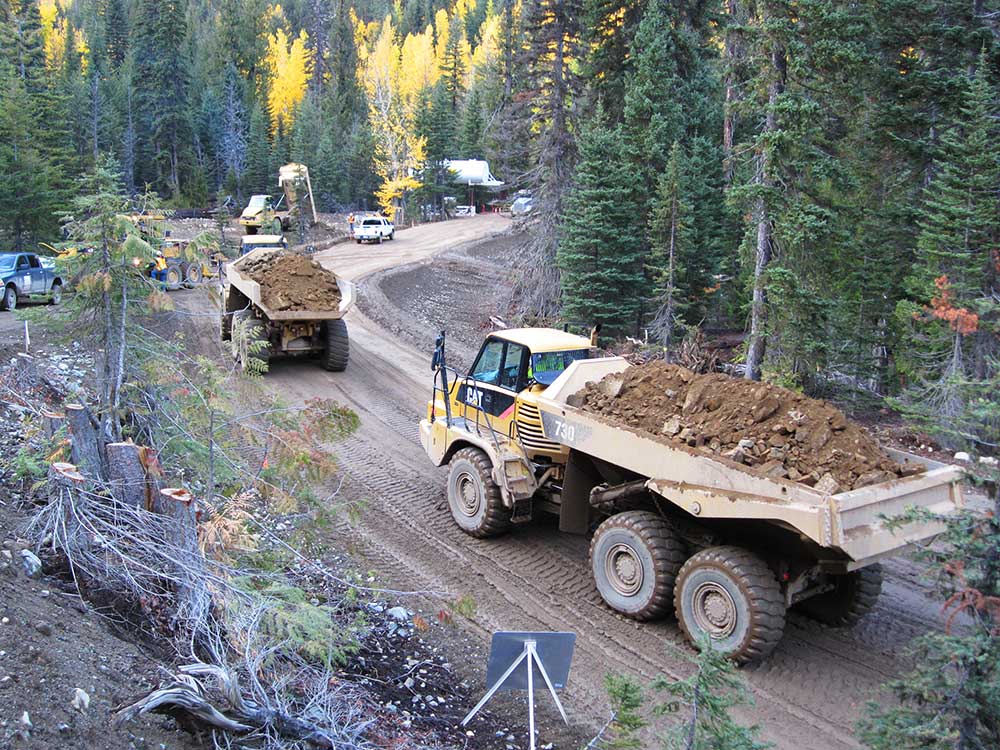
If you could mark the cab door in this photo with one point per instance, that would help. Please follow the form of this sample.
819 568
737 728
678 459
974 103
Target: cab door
38 285
22 275
490 390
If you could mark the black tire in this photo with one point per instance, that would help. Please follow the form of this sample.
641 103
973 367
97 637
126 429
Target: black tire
473 496
358 241
9 301
277 226
174 278
256 332
853 596
635 557
251 229
380 239
55 294
235 318
226 326
194 275
392 235
731 596
338 346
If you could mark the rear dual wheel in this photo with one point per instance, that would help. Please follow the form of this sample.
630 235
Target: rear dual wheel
853 596
726 596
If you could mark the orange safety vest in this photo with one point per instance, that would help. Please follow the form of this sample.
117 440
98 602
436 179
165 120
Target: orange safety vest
161 263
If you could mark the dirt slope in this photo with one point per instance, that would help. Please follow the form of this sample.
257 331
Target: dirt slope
781 433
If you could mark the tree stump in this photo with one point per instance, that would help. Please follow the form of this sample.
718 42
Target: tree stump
127 477
86 451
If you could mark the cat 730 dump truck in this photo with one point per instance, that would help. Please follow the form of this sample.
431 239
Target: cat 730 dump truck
267 332
724 547
263 215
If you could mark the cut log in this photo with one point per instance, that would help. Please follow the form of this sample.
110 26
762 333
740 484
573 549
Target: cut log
63 477
52 423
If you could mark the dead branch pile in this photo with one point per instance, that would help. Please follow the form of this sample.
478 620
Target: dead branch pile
122 535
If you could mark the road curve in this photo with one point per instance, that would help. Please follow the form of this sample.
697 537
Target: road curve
807 695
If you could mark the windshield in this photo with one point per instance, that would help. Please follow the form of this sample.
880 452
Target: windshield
372 222
545 367
257 201
7 262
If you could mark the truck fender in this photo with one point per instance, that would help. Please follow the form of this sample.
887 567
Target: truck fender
574 504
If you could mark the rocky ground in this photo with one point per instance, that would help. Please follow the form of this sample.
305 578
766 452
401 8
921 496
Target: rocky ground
67 662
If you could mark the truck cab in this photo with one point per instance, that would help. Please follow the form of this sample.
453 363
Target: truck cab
261 214
511 366
24 276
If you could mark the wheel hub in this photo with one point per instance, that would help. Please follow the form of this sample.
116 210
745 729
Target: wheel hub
468 494
624 569
715 610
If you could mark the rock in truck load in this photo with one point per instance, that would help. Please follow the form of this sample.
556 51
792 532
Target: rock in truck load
289 281
778 432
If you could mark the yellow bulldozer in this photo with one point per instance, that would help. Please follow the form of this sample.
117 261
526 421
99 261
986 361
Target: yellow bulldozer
263 215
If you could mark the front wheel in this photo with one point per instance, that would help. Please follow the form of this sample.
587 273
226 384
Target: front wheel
173 278
255 350
55 295
195 274
9 299
473 496
730 597
635 557
381 239
853 596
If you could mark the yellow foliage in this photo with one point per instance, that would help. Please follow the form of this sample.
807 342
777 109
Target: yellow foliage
418 65
290 65
55 30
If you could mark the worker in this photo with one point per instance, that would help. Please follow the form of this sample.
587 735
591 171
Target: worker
350 224
159 271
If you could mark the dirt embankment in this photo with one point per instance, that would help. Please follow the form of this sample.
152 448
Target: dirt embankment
779 432
289 281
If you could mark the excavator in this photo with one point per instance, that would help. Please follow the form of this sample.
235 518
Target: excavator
263 215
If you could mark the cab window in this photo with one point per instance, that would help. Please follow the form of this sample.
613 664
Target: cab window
545 367
487 367
22 263
33 260
510 375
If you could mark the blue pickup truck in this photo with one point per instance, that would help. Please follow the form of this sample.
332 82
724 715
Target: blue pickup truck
27 276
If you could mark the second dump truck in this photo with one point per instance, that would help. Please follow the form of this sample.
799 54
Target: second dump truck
726 549
267 333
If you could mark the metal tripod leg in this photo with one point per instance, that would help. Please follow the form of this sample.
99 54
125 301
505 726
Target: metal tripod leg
496 686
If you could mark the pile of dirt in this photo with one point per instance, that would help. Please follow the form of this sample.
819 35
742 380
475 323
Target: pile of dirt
779 432
289 281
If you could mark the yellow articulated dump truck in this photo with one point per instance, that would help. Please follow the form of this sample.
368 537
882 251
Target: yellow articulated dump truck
281 303
725 539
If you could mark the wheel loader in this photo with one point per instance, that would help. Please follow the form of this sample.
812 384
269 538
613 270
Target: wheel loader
263 215
674 530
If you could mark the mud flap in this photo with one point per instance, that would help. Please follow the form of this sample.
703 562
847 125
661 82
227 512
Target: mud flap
574 505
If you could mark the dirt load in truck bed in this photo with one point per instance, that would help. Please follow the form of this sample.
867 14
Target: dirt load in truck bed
289 281
778 432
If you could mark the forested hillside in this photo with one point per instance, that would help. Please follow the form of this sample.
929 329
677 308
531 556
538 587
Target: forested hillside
821 173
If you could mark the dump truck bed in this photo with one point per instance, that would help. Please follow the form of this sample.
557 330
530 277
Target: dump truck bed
250 288
708 486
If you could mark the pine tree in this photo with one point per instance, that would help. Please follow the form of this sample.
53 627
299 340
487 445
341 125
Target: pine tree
952 312
116 33
670 235
470 135
161 93
600 253
258 167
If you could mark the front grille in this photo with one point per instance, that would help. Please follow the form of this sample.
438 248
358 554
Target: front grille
529 429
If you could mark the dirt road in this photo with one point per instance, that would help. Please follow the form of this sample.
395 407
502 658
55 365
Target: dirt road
809 693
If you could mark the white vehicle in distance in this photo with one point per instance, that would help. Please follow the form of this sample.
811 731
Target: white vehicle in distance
374 229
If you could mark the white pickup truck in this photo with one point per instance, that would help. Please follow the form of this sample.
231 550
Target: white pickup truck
374 229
